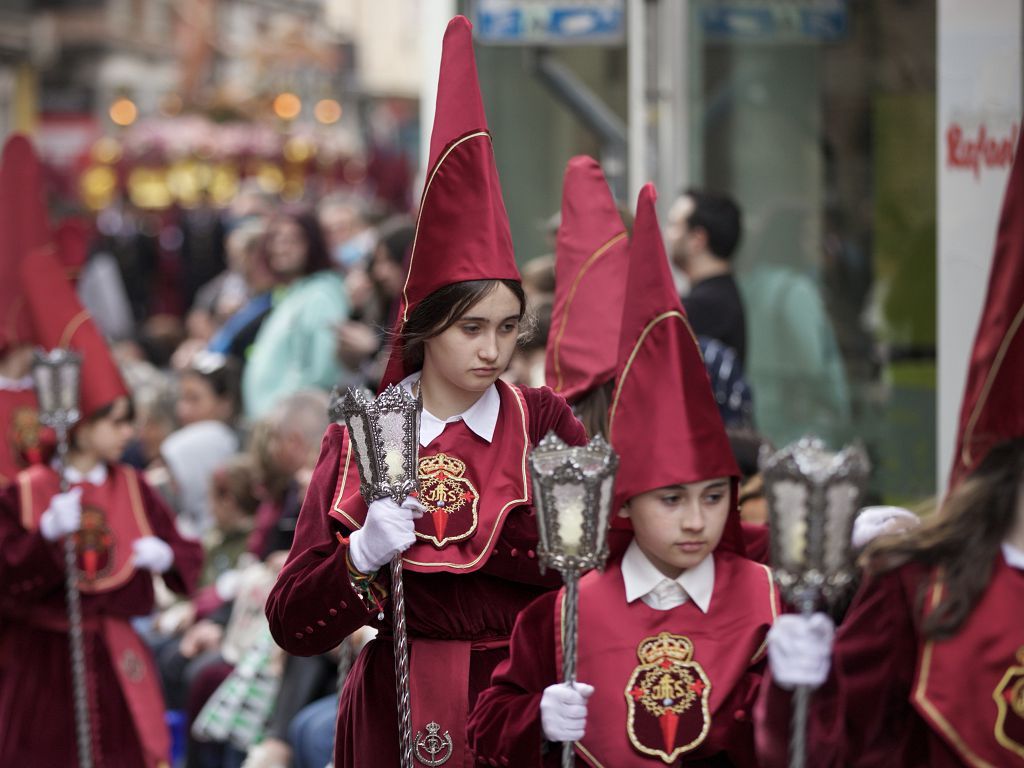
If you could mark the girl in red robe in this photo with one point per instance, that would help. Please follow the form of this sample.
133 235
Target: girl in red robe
927 668
671 636
469 546
124 534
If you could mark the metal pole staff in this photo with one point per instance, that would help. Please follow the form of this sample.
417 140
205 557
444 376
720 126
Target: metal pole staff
56 380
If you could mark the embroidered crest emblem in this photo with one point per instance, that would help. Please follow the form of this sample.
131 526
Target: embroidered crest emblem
450 499
1009 697
133 667
667 699
95 545
433 749
24 435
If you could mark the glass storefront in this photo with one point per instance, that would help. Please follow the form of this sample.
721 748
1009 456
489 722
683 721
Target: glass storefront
819 118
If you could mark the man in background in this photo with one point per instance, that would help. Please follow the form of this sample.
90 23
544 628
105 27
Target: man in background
703 232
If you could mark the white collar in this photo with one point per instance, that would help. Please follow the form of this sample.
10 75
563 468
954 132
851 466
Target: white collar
1014 557
95 476
642 577
16 385
481 417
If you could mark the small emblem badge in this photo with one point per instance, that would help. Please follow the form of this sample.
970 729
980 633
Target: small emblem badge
667 699
450 499
433 749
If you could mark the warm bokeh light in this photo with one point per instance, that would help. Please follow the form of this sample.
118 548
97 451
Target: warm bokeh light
123 112
327 111
287 106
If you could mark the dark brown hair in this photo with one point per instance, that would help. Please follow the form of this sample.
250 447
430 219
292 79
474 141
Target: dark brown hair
441 310
221 374
963 538
592 409
318 258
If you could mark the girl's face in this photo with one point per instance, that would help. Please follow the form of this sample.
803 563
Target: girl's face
676 527
287 248
197 401
471 354
107 438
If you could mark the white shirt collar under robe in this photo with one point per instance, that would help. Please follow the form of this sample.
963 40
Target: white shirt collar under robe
481 417
644 581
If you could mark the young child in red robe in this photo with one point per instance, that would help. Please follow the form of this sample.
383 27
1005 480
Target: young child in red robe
671 636
927 668
469 543
124 534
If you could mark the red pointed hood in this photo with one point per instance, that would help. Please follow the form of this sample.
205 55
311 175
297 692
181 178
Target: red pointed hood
24 229
60 320
664 422
590 288
462 231
993 405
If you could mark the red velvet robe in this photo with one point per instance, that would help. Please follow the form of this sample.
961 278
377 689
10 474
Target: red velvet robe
36 702
894 699
451 614
724 672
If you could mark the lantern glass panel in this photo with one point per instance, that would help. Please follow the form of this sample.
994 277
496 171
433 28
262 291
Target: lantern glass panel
45 389
392 426
604 507
790 504
358 437
68 385
842 501
569 503
541 507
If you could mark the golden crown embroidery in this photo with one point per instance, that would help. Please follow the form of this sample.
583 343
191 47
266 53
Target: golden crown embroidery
1009 698
450 499
667 699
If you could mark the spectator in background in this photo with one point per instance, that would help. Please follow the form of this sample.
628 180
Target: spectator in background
240 328
703 232
348 235
295 346
208 390
364 335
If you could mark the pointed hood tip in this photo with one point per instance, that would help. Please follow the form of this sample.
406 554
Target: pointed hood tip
591 252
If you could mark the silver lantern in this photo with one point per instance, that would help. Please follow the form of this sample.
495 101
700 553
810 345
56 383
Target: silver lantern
813 496
384 434
56 375
572 495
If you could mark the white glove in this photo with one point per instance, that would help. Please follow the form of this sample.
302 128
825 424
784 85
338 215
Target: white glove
152 554
389 530
563 711
800 649
872 522
63 516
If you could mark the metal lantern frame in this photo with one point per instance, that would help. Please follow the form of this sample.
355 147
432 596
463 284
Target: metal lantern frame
813 496
388 467
366 418
56 375
588 472
573 466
